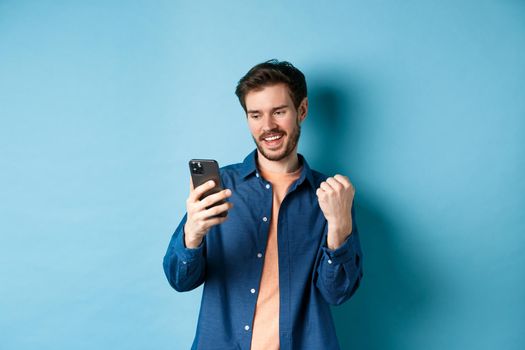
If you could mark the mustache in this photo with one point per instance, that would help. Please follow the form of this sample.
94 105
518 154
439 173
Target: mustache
271 133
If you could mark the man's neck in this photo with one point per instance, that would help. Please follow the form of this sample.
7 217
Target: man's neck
285 165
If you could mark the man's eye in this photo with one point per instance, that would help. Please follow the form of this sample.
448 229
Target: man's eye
279 112
254 116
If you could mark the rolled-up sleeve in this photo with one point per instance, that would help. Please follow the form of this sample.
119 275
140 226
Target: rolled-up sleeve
339 271
184 267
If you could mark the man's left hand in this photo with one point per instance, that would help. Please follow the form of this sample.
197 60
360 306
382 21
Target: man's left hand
336 196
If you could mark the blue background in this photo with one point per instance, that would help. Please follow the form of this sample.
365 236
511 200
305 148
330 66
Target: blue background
102 104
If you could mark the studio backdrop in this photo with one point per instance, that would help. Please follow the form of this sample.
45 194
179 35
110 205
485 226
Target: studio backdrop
102 104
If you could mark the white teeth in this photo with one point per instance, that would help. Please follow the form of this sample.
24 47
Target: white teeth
273 138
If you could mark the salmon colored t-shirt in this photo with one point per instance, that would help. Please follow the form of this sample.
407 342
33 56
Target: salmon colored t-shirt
265 330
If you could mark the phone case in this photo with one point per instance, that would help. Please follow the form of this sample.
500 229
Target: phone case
203 170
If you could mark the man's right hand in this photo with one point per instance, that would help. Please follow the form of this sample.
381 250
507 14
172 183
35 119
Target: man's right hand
200 219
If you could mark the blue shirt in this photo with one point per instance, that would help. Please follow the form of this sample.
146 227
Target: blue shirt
230 259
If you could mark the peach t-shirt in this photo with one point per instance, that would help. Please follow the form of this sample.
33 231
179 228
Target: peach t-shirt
265 330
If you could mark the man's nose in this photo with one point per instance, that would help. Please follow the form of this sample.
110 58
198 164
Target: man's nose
269 123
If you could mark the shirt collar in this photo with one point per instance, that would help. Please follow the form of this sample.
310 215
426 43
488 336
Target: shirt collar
249 167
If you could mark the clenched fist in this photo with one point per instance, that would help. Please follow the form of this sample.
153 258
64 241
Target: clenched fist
336 196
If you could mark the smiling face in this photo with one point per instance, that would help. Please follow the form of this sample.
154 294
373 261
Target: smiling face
274 121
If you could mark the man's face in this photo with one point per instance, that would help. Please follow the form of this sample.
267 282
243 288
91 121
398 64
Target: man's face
273 121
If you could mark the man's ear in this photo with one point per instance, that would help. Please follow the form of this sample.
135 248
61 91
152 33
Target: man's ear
303 109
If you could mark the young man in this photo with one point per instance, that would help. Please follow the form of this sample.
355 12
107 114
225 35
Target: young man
289 246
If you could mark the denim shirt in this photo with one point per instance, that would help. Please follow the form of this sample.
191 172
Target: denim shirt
230 259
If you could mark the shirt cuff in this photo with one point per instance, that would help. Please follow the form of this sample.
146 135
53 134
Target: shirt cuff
345 253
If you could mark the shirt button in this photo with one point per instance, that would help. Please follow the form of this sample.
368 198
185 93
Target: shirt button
257 174
184 262
265 219
267 185
259 255
252 291
329 261
246 328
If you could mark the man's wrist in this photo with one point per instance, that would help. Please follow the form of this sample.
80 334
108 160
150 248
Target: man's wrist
337 235
191 242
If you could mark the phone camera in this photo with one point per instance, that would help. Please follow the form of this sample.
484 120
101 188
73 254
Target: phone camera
196 168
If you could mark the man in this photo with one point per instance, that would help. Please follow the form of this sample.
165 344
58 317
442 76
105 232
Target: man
289 246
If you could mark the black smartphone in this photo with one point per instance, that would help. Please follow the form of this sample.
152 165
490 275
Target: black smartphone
204 170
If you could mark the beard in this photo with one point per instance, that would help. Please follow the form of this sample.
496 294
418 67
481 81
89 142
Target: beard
286 149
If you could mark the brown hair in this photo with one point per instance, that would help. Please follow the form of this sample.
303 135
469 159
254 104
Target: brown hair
270 73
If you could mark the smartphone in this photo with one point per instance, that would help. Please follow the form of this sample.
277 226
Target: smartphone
203 170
